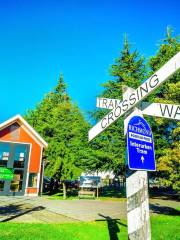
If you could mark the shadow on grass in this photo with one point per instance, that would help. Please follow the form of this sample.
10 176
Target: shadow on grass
70 193
13 211
112 192
113 227
156 208
164 196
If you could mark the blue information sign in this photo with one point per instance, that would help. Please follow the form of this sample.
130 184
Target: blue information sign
140 145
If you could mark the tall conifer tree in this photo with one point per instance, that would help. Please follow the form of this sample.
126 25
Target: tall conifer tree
167 132
63 126
129 70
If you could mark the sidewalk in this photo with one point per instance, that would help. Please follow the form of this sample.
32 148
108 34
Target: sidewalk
41 209
44 210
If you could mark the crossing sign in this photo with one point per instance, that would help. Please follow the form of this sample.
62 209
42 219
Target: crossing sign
171 111
163 74
140 145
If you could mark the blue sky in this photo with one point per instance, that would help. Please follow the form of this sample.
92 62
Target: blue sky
41 39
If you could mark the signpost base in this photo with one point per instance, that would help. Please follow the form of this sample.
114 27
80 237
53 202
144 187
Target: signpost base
138 206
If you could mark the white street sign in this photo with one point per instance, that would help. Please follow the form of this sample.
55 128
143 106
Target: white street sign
161 110
107 103
171 111
164 73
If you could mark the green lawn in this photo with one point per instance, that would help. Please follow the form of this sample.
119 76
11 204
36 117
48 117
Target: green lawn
163 228
105 194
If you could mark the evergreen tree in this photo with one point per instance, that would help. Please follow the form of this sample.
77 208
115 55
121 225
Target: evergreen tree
129 70
63 126
166 132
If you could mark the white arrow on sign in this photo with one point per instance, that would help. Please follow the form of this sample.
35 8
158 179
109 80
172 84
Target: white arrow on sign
164 73
171 111
142 159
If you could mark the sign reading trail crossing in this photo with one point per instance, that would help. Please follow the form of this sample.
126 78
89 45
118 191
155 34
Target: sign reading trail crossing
163 74
140 145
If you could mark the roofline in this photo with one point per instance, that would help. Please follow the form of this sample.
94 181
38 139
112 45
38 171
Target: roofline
19 117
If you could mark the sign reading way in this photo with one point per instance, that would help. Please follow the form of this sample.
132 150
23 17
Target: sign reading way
140 145
6 173
164 73
171 111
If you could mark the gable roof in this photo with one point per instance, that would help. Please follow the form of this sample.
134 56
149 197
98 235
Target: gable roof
18 118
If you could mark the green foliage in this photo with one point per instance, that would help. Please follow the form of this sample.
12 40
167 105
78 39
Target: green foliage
112 229
166 132
63 126
128 69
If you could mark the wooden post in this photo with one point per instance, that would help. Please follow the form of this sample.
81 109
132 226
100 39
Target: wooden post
64 190
41 178
137 194
138 206
97 194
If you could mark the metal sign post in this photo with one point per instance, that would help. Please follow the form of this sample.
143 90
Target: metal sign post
136 181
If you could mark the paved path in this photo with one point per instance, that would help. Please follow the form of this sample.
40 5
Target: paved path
40 209
17 209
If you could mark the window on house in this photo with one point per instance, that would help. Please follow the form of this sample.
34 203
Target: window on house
32 180
20 155
4 154
17 182
1 185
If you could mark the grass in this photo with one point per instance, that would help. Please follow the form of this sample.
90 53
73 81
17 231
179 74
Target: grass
73 231
114 199
105 194
163 228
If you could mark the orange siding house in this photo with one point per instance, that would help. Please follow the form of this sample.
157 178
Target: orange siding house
21 150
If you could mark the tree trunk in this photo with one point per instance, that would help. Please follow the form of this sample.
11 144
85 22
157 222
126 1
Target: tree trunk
64 190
